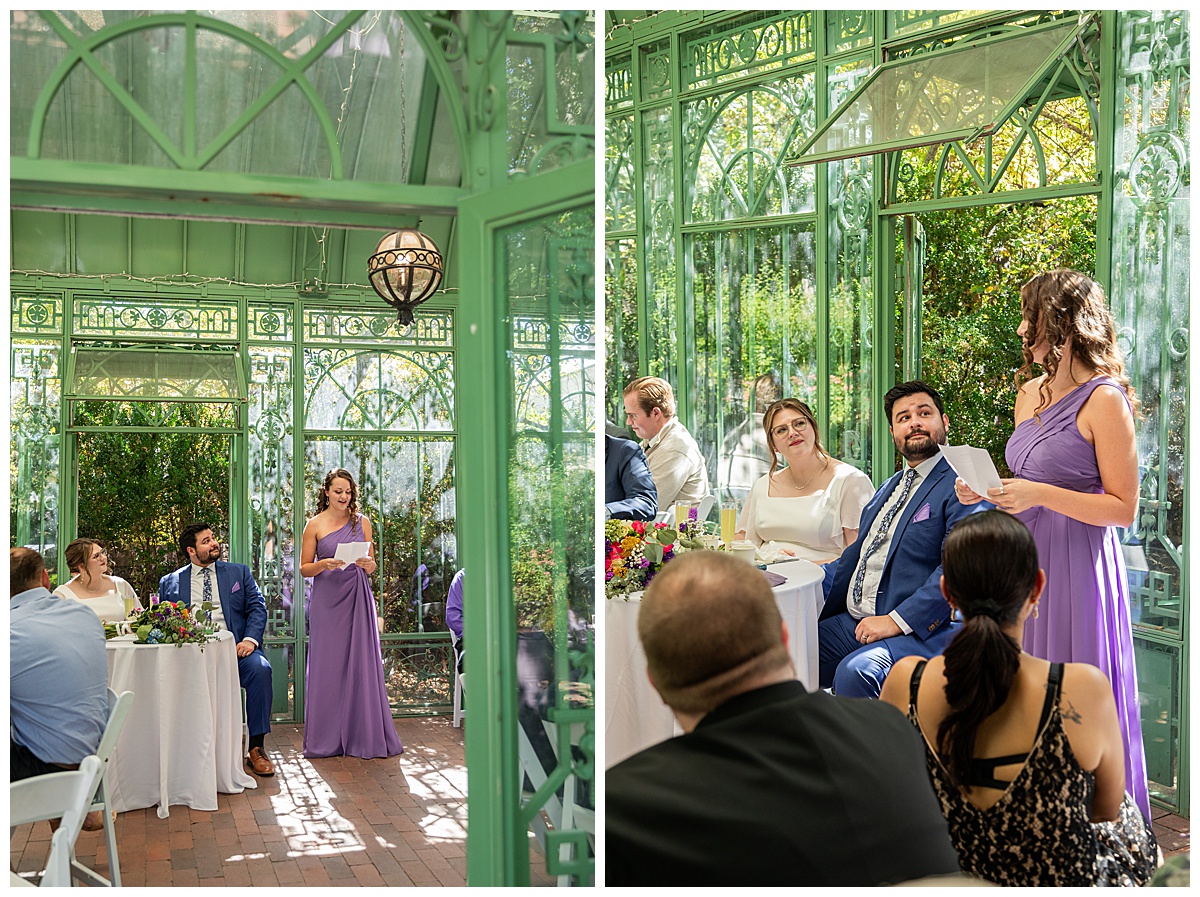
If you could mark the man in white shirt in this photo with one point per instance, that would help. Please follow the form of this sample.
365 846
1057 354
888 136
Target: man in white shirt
676 465
883 597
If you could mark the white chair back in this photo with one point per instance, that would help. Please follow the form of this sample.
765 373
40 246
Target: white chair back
118 710
65 796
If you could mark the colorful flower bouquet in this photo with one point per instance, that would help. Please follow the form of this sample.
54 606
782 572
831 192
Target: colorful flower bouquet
170 623
633 553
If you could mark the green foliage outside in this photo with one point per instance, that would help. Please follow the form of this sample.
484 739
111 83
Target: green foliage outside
138 490
545 495
975 263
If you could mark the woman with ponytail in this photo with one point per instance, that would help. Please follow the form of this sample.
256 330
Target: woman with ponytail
1025 756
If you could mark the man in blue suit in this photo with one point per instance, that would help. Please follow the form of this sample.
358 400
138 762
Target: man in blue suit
629 491
238 603
883 598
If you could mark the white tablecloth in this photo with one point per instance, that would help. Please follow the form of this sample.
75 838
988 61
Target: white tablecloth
182 741
635 716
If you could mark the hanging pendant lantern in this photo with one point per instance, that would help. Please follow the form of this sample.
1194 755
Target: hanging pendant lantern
405 270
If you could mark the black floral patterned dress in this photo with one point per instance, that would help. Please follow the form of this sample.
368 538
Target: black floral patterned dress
1038 833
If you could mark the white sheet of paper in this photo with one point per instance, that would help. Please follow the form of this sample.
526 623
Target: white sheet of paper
352 551
974 465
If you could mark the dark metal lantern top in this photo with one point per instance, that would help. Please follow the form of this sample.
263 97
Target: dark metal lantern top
406 269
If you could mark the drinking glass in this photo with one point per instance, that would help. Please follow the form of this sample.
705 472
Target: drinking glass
681 513
129 604
728 524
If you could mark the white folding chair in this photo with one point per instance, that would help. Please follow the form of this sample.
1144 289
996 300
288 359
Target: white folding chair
458 712
65 796
118 709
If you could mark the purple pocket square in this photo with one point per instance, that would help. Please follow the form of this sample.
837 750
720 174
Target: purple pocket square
922 514
237 585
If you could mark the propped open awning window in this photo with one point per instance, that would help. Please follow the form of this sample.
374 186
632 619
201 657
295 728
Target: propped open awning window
963 93
193 375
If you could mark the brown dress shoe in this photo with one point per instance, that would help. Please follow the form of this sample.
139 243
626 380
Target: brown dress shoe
259 763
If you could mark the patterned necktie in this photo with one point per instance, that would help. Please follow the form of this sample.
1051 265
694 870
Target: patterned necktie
910 477
206 595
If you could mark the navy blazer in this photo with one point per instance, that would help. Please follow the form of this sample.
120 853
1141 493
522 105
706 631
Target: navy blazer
242 603
629 492
911 583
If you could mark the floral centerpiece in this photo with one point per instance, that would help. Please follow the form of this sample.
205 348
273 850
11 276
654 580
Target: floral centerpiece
170 623
633 553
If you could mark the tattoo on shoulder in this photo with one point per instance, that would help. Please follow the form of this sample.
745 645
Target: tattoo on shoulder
1070 713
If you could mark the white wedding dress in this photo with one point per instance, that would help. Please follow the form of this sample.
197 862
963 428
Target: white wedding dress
109 608
809 525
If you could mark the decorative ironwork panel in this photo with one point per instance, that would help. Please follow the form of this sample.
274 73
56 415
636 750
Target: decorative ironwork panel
35 397
177 320
655 69
734 147
37 314
618 84
748 47
270 323
848 29
620 184
756 341
419 676
1151 270
270 438
621 324
659 242
851 318
367 389
1162 694
376 324
551 91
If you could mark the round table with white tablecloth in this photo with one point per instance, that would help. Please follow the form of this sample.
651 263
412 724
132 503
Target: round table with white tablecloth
635 716
182 741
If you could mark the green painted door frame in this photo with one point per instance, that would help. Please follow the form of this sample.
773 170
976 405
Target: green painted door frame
497 849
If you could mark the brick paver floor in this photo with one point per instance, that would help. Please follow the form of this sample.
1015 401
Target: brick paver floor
336 821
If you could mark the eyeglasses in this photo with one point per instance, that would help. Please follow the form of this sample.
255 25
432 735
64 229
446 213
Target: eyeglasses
799 425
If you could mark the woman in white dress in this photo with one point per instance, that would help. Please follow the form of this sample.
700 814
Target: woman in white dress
810 508
92 585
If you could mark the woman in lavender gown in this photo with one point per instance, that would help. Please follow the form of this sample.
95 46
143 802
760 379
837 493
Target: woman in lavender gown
1075 458
346 710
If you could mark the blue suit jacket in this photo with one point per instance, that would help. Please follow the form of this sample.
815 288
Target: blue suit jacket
913 569
629 491
242 603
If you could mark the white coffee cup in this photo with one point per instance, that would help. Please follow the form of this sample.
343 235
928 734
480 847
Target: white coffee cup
744 550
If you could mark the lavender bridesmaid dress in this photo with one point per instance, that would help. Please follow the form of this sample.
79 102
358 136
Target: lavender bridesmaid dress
1084 612
346 707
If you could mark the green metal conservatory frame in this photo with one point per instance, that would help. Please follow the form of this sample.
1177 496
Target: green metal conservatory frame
761 169
194 197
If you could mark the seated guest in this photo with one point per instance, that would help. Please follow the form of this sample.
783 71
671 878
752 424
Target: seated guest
676 465
769 785
57 676
629 492
92 585
810 508
238 605
882 600
1025 756
454 615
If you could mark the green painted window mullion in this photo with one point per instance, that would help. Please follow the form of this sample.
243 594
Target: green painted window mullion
1106 135
821 278
642 225
189 89
685 334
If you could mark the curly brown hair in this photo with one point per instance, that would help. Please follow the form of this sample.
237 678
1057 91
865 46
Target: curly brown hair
804 411
323 492
1061 305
